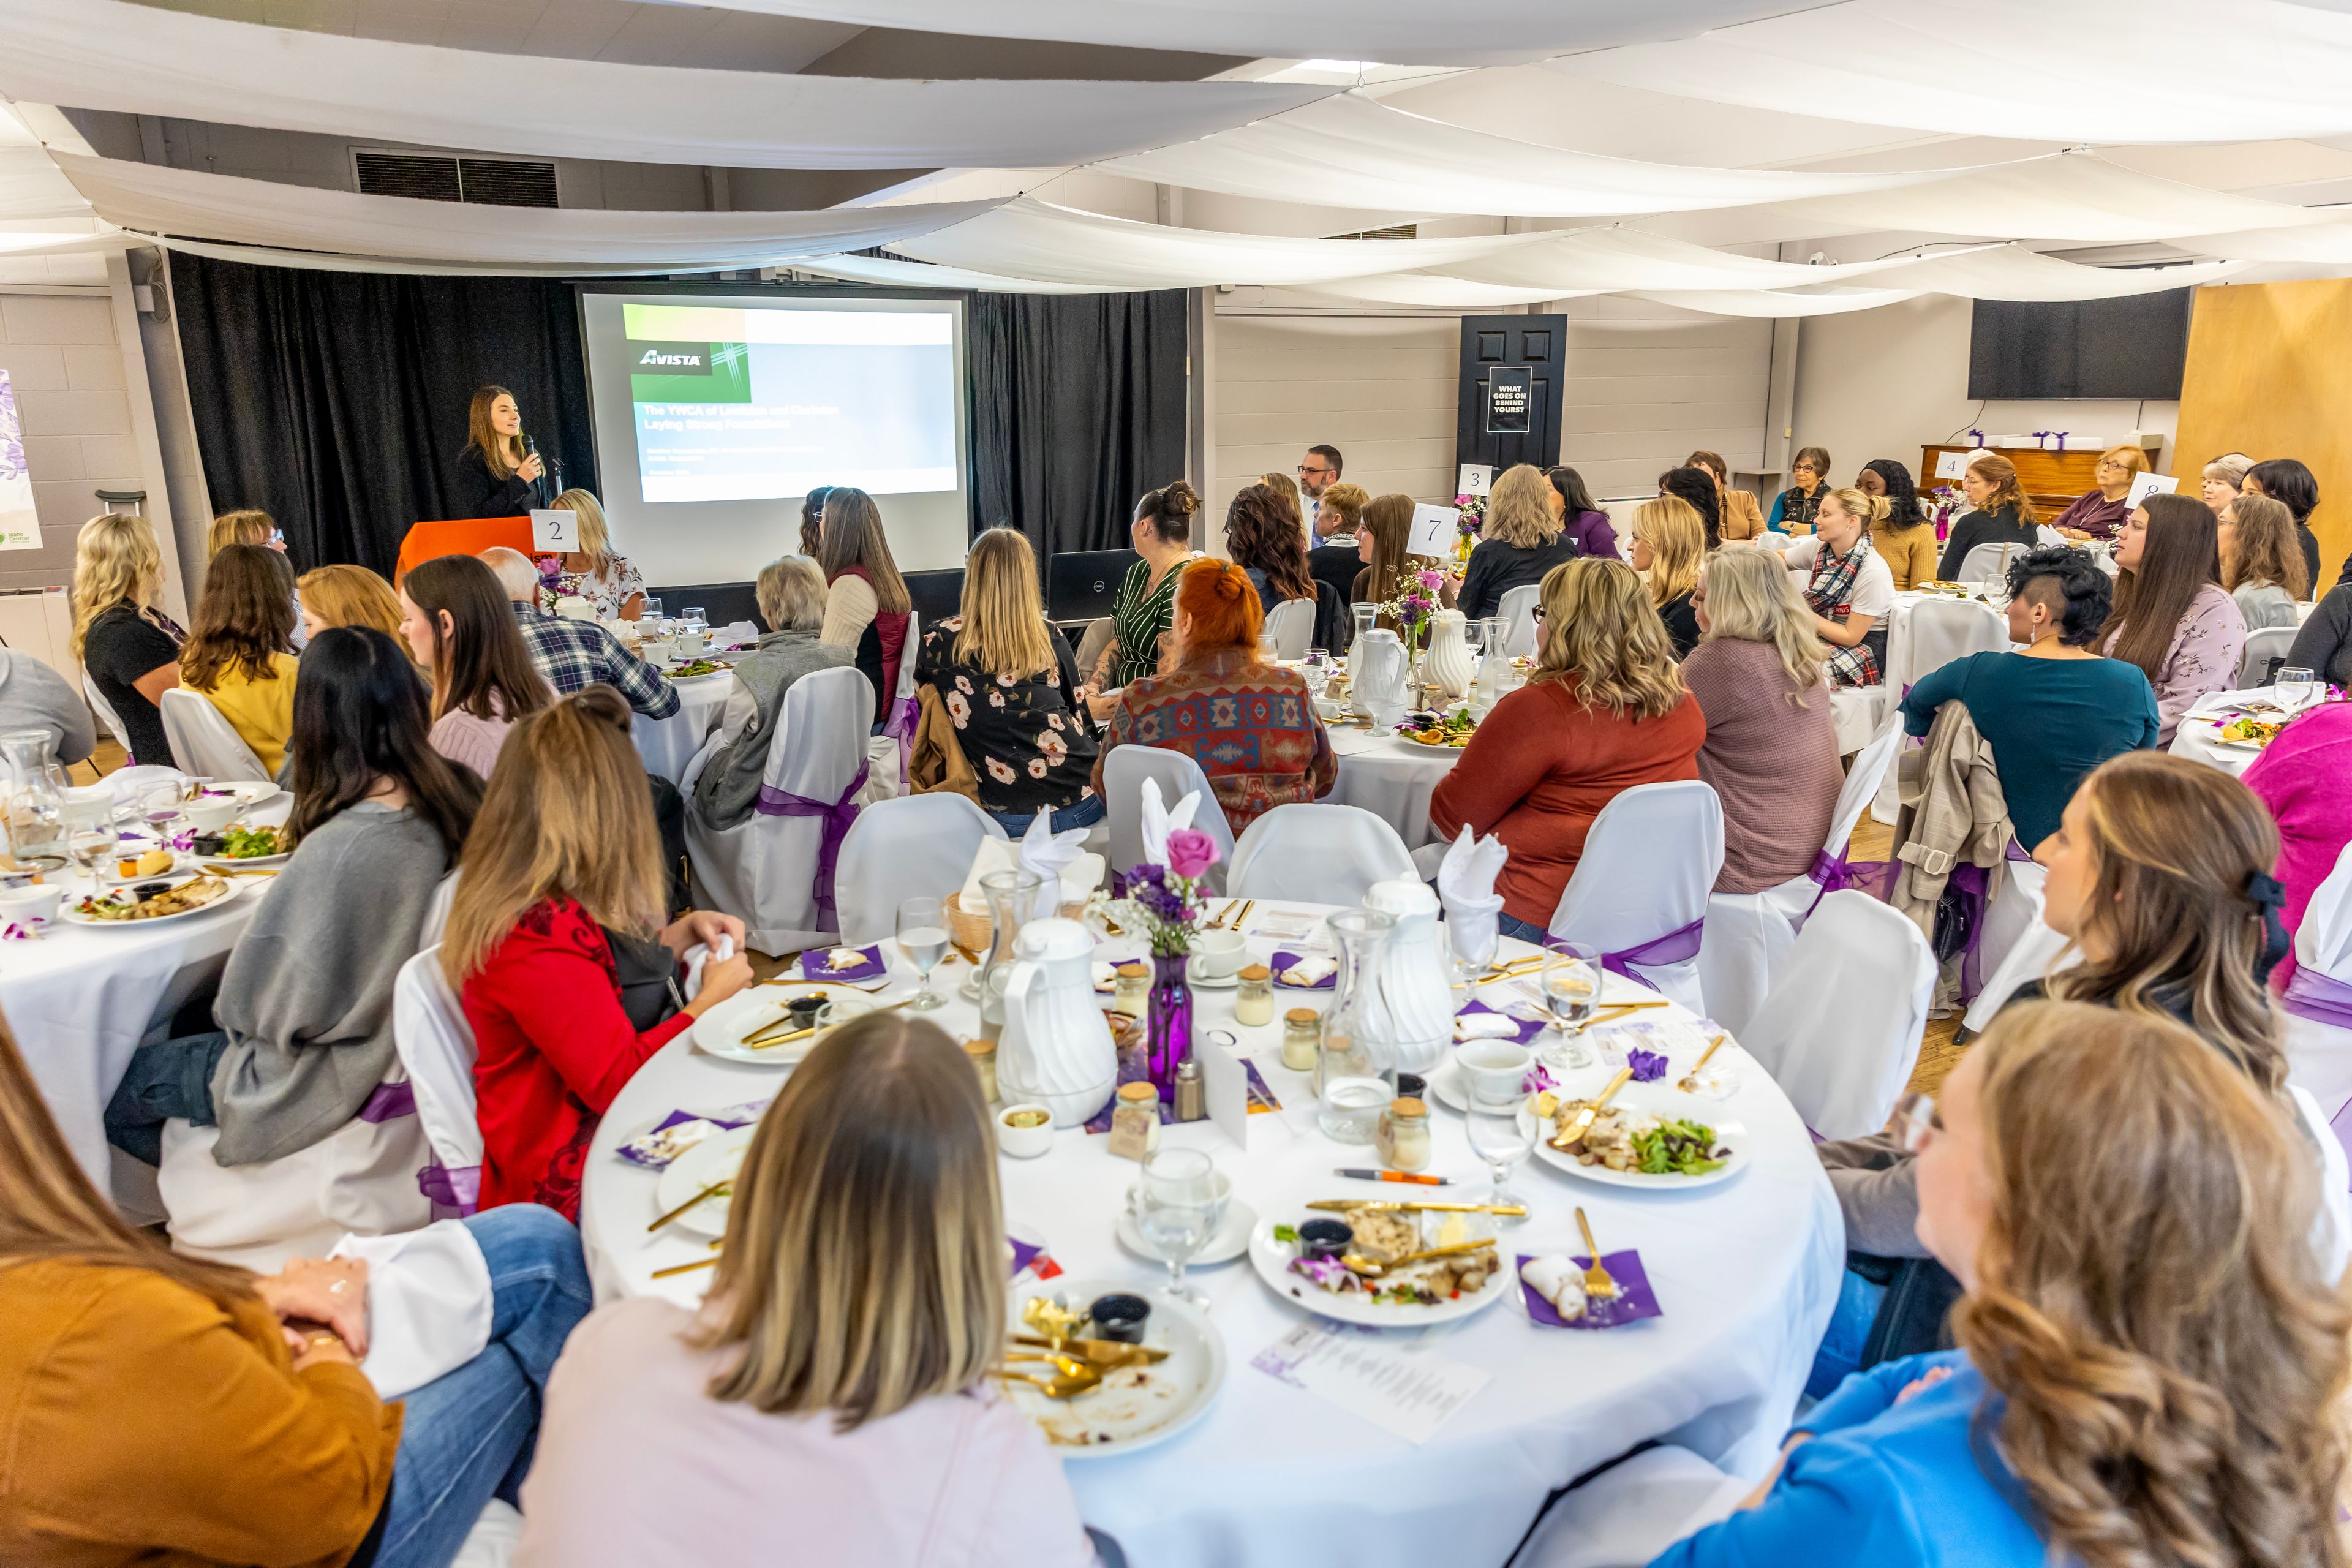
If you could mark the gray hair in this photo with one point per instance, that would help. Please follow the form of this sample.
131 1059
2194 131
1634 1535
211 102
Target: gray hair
791 595
514 571
1752 596
2230 468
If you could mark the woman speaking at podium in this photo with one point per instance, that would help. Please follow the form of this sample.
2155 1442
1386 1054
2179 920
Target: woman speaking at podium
495 475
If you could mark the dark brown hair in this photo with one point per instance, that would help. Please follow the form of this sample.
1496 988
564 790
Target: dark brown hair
854 537
1262 531
812 521
244 619
1170 511
482 655
2181 554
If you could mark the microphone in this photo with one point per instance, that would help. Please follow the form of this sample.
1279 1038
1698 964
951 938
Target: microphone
531 449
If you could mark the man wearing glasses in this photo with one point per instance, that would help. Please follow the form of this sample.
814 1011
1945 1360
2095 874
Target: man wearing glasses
1319 472
1331 557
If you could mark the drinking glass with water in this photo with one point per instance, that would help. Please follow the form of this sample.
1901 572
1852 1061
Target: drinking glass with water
1178 1209
923 938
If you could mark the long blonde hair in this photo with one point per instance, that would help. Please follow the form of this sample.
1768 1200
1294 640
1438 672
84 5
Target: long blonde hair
863 1264
1677 536
1519 508
595 537
116 561
246 526
351 597
2169 1364
1602 634
1004 621
565 816
1752 597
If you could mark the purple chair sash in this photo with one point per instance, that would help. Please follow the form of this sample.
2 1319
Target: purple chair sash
900 728
390 1102
1675 947
1835 873
459 1188
2318 997
838 815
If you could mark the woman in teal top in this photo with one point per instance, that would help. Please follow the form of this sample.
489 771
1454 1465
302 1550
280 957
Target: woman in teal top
2054 711
1144 610
2149 1359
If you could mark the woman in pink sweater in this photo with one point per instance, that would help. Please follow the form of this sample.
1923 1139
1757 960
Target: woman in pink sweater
831 1402
2301 777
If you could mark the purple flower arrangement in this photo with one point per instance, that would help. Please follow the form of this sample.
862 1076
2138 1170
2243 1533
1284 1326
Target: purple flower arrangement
1648 1067
1163 904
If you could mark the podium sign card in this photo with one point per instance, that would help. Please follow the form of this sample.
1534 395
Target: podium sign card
1475 479
1434 529
1510 400
2146 485
554 530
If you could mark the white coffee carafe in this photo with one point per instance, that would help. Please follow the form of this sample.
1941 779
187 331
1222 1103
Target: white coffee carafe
1057 1048
1380 670
1448 664
1414 978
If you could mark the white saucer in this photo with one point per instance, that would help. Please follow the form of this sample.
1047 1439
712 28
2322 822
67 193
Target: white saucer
1200 982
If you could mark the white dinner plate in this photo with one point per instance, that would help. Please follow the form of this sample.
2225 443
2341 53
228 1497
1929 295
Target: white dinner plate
249 792
1271 1258
720 1032
716 1159
73 916
1233 1238
1657 1100
1136 1407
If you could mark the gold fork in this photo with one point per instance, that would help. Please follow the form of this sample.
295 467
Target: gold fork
1597 1283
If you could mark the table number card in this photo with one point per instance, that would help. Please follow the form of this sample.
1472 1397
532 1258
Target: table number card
1475 479
1410 1396
2146 485
554 529
1435 529
1951 465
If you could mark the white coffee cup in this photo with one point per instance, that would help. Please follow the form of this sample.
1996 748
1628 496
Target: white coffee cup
1493 1071
1219 953
1024 1142
30 907
689 644
211 812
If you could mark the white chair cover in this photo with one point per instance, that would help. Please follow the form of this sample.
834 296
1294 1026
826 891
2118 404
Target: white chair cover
2037 954
2332 1233
437 1050
2263 645
436 912
765 870
1291 625
1312 854
1933 634
203 742
887 753
106 713
1649 864
1632 1513
2318 1049
1840 1032
917 845
1516 611
1748 935
1124 772
1987 562
360 1180
1855 714
2012 915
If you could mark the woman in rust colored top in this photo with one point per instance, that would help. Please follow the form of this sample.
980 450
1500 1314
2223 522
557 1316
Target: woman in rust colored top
1604 710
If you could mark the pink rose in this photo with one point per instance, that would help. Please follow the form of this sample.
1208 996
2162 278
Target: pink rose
1190 852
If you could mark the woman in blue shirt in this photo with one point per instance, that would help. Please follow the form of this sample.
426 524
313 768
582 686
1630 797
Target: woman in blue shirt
2055 710
2149 1360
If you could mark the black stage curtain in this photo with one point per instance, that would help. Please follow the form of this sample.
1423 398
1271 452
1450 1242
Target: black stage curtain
336 401
1078 408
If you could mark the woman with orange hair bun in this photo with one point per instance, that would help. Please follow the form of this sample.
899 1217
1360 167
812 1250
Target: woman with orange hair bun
1249 725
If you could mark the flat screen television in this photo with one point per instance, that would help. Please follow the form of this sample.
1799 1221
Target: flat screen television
2133 347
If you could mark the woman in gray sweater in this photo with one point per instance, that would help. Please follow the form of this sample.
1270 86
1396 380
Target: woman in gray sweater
791 600
305 1006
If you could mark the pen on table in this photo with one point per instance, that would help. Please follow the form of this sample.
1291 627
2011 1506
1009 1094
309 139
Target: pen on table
1414 1178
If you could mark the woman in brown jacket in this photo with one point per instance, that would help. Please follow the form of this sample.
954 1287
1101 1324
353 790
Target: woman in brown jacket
1743 516
157 1409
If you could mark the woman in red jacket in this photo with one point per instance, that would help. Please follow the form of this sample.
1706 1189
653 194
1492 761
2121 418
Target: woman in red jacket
1604 709
563 849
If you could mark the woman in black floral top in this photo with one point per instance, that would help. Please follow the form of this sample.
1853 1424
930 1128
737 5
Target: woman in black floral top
1009 683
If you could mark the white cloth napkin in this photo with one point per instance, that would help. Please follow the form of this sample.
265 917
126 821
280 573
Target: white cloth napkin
1466 885
1158 822
428 1303
1058 858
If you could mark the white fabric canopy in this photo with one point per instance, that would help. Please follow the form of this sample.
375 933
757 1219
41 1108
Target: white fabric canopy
1029 238
2080 71
2325 243
922 274
1398 32
2013 272
1352 151
1778 302
161 200
1565 261
139 59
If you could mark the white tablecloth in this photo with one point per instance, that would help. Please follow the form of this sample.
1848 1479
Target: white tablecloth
668 745
2199 735
1746 1272
1391 778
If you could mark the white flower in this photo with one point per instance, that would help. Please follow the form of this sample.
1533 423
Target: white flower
996 698
999 772
963 686
1055 720
959 708
1052 746
1036 767
1003 680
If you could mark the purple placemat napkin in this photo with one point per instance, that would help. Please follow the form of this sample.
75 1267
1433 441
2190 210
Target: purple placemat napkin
1529 1028
1636 1299
1284 958
812 967
1261 1102
646 1150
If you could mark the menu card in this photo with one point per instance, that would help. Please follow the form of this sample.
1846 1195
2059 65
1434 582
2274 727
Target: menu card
1410 1395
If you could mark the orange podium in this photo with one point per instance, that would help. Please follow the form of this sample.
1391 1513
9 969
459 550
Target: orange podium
460 536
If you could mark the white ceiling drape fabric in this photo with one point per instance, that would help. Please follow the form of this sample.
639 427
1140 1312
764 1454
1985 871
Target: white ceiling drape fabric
1352 151
2013 272
922 274
2325 244
1034 240
2080 71
139 60
1768 302
165 201
1612 258
1396 32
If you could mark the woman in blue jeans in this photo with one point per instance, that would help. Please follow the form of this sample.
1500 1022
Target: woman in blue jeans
162 1407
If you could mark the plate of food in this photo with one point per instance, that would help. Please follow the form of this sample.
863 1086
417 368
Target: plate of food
1152 1387
2249 734
234 845
727 1029
143 903
695 667
1453 729
246 792
1649 1136
708 1167
1324 1261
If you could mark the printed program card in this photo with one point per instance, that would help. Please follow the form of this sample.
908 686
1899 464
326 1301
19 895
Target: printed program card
1410 1396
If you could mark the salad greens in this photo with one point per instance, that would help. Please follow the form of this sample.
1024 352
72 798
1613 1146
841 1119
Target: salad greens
1676 1147
248 843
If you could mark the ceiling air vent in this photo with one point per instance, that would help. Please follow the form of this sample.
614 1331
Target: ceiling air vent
1395 231
438 177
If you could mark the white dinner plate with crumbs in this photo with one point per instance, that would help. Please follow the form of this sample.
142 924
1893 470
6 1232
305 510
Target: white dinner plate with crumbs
1731 1139
1135 1407
1272 1257
716 1159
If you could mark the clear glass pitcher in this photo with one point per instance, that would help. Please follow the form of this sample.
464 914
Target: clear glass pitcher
1012 901
1355 1067
1364 615
35 800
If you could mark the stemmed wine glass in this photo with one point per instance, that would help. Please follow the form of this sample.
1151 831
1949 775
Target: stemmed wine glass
1178 1209
1502 1132
1571 994
1317 671
923 938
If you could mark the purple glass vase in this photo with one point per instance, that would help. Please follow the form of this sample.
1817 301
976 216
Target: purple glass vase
1168 1022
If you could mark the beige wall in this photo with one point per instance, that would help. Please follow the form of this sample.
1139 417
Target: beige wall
63 359
1647 384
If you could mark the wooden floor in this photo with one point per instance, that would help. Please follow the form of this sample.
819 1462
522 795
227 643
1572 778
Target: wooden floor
1938 1054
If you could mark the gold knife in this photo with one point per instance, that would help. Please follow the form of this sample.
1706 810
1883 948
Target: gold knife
1343 1204
1102 1352
1584 1117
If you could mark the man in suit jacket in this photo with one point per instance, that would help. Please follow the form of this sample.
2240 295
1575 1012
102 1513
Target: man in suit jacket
1333 559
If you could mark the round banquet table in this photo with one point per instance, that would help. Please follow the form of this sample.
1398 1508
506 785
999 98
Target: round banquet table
1390 777
80 999
1746 1272
668 745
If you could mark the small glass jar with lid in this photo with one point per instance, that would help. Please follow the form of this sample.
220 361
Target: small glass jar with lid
1135 1120
1302 1035
1253 999
1402 1135
983 1055
1133 988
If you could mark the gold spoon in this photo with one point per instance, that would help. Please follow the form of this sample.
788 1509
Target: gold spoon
1689 1083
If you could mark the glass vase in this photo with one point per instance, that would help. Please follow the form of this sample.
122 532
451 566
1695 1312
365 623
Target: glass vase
1168 1022
1355 1067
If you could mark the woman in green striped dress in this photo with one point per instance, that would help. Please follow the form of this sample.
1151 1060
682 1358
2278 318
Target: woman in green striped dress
1145 608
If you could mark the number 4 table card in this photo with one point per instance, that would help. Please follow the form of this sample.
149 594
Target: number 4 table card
1410 1395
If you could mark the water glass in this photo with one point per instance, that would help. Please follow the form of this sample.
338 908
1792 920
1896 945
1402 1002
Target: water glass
1317 671
161 810
923 938
1502 1132
93 850
1573 978
652 610
2295 686
1178 1208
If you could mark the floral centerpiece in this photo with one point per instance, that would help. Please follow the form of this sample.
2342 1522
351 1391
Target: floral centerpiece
1944 504
1164 900
1470 522
551 580
1418 597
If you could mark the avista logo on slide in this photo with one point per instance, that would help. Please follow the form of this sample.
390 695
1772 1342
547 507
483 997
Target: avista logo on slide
656 357
669 359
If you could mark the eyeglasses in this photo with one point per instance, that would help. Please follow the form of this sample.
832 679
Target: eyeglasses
1307 473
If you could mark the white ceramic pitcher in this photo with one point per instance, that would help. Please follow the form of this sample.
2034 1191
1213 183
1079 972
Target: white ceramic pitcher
1057 1048
1377 683
1415 979
1448 664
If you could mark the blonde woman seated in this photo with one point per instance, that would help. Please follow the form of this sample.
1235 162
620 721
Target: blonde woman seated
1522 540
792 601
129 649
596 572
831 1402
347 596
1849 587
2261 560
1669 542
1771 749
1604 709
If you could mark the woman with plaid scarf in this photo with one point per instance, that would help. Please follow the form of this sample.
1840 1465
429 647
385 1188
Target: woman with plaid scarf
1851 590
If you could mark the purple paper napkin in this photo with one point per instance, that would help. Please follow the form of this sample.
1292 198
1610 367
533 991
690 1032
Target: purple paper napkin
1636 1299
726 1121
1529 1028
1283 960
1261 1101
812 967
